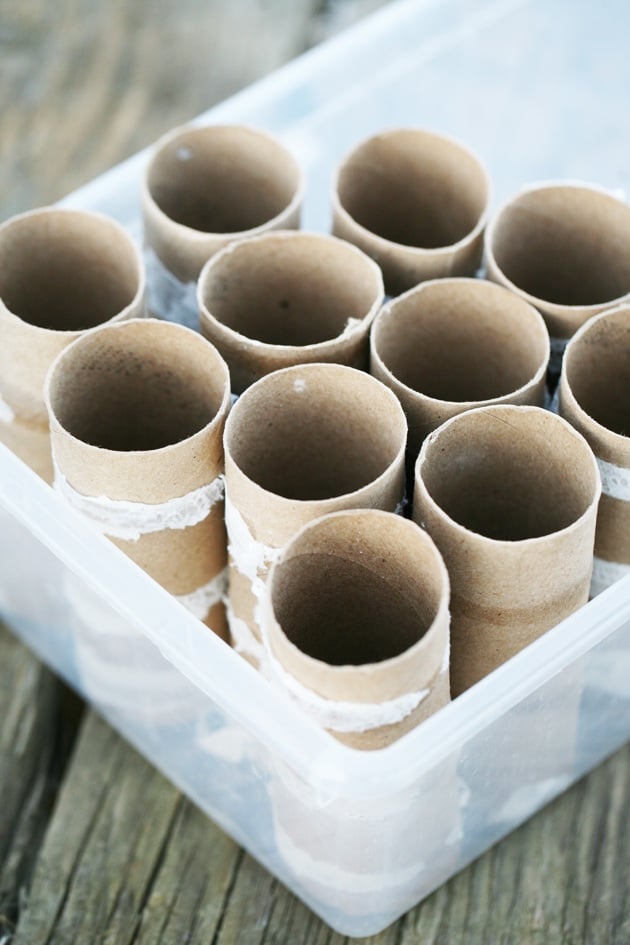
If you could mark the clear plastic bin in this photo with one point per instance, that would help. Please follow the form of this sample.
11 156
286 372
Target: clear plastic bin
540 90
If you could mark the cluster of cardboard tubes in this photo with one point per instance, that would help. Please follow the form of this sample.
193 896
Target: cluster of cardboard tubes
373 366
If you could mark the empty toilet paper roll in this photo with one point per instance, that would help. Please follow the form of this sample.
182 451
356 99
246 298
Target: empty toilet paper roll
355 624
345 850
122 672
288 298
415 201
595 399
509 495
63 272
299 443
450 345
136 414
205 187
565 248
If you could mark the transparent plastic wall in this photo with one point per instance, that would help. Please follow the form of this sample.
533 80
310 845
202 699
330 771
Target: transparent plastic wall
361 837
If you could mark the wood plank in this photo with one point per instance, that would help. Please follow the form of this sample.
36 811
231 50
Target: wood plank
111 822
125 859
87 84
192 883
561 878
31 754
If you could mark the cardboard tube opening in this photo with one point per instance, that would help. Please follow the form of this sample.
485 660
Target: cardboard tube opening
140 385
413 188
67 270
347 594
290 288
501 472
461 340
222 179
564 244
315 431
596 365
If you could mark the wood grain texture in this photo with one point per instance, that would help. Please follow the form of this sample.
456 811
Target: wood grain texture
113 854
35 733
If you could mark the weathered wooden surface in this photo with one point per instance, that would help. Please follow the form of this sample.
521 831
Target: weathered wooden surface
95 846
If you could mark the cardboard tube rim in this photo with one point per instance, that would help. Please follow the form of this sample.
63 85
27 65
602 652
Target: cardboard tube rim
554 308
517 544
306 504
415 650
199 237
205 315
536 378
120 316
149 325
566 391
415 251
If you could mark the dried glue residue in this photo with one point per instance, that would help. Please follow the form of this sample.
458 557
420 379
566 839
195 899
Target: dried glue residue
341 716
248 555
118 518
606 573
339 879
243 639
615 480
351 326
6 413
201 601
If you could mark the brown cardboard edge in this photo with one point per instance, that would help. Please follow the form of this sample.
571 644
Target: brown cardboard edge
374 679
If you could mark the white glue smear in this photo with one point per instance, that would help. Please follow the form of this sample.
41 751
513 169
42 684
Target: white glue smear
243 639
352 325
606 573
6 413
615 480
201 601
338 716
248 555
167 297
447 656
118 518
329 875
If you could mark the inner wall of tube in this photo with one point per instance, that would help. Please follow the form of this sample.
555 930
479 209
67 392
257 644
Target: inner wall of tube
222 181
565 254
505 480
336 610
124 393
306 437
598 372
287 292
66 274
460 345
411 193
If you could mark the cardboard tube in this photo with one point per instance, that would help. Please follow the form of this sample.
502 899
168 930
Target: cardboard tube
356 625
205 187
455 344
136 414
565 248
415 201
345 851
595 399
509 495
63 271
288 298
299 443
121 672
